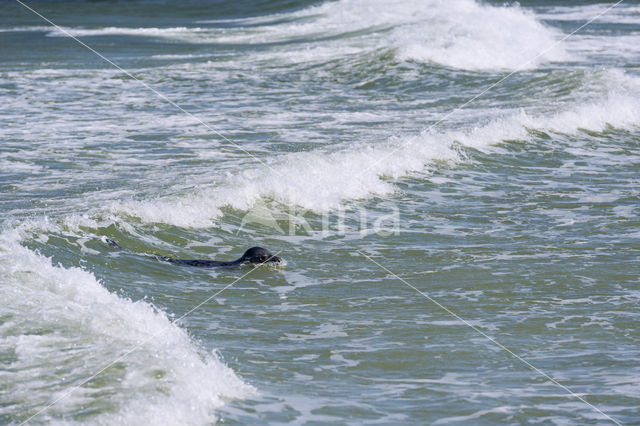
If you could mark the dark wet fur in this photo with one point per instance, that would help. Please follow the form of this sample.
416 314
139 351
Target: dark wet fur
255 255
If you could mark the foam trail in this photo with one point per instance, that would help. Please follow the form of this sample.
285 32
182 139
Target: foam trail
59 326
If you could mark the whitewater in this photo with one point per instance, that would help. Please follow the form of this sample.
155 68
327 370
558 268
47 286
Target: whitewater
518 211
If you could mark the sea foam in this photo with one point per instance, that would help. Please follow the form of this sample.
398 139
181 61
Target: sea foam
459 33
60 326
470 35
321 180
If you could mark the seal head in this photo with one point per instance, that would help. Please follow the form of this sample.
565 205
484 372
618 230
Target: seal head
259 255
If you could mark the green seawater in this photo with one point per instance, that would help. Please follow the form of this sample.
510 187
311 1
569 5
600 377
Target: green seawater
447 261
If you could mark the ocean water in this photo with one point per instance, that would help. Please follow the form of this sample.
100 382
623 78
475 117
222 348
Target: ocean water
455 186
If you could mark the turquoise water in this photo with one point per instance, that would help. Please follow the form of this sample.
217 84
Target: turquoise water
424 235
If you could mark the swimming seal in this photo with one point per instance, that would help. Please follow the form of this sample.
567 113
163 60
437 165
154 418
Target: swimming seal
255 256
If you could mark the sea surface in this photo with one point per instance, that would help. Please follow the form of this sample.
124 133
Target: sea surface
455 186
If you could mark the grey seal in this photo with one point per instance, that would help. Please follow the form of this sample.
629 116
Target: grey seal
254 255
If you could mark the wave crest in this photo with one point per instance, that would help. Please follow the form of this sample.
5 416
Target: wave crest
64 324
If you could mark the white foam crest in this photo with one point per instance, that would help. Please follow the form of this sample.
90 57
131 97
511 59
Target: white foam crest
457 33
469 35
182 33
619 108
317 181
25 29
321 180
606 98
61 326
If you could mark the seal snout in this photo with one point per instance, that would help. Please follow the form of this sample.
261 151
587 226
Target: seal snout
277 261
